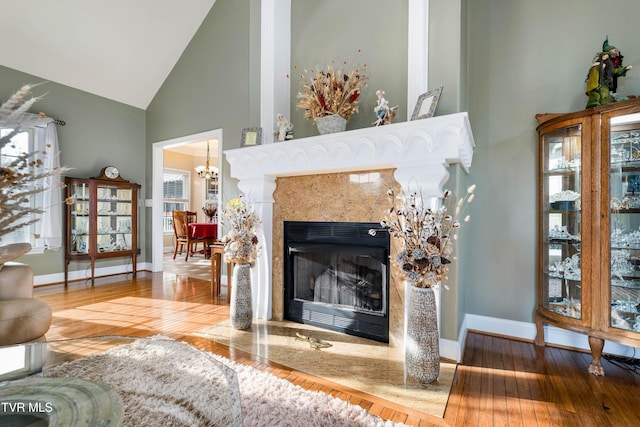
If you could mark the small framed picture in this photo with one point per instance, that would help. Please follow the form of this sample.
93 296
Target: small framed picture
251 136
427 103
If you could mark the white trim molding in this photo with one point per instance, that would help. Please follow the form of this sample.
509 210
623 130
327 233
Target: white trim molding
527 331
84 274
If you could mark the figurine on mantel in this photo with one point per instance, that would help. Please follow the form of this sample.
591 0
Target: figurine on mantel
285 128
602 79
384 114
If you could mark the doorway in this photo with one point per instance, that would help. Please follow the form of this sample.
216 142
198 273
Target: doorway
190 145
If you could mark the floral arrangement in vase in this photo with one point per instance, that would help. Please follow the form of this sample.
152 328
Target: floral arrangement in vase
332 90
21 177
210 212
426 234
241 242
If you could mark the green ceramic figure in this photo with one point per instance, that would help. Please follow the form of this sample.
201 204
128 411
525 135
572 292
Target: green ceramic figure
602 80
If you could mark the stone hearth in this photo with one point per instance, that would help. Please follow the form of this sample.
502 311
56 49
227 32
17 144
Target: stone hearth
343 177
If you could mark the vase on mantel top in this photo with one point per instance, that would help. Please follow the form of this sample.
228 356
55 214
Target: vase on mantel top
331 124
422 347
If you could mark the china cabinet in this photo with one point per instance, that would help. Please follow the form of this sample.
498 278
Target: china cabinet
102 219
589 225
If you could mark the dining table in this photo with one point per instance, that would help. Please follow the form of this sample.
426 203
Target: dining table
207 231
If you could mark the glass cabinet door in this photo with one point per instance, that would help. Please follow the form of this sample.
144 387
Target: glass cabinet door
624 191
561 222
114 218
79 219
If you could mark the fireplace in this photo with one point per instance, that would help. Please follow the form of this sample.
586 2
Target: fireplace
331 178
336 276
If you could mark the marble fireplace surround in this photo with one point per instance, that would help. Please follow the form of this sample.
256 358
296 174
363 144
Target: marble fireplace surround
322 169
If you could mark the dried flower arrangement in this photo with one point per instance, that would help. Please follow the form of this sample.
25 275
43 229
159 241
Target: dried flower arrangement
20 177
241 242
210 211
331 91
426 234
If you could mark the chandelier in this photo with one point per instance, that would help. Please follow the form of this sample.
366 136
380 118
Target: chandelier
207 172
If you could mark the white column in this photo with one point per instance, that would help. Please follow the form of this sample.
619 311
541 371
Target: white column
275 60
259 193
418 47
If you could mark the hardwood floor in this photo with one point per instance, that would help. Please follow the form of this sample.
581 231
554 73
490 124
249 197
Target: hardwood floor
499 382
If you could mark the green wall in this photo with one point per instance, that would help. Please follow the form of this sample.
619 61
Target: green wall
447 53
210 86
525 58
98 132
377 28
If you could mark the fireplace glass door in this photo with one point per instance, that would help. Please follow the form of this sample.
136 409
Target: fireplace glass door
344 280
336 277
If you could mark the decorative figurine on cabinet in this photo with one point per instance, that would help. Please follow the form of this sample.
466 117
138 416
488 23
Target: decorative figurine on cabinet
285 128
384 114
602 79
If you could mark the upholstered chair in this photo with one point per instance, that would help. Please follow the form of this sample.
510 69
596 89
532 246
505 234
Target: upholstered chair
22 317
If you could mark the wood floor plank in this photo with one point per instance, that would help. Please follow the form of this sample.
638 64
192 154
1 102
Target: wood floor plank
611 401
487 401
472 411
548 392
500 410
514 412
582 394
458 397
531 412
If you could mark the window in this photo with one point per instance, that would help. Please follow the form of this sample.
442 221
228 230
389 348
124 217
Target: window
175 185
21 143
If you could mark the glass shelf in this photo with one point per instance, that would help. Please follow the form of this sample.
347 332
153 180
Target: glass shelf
561 217
624 243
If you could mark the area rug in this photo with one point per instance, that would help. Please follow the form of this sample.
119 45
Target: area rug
163 382
361 364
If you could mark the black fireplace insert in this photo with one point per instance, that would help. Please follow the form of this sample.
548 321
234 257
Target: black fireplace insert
337 277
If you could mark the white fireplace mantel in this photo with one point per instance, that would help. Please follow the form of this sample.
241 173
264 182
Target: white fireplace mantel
420 151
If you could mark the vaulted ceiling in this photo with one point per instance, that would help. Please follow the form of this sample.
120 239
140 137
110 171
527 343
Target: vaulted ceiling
119 49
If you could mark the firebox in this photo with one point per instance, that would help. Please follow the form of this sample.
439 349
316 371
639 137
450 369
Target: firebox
336 276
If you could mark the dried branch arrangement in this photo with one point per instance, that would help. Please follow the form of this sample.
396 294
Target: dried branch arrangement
426 234
331 91
241 242
20 175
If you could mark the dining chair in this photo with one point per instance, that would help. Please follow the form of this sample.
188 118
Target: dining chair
184 241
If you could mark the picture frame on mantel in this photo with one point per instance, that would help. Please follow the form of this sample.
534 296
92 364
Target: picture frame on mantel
251 137
427 103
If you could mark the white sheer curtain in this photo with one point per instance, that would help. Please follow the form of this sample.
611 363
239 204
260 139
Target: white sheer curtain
48 230
50 224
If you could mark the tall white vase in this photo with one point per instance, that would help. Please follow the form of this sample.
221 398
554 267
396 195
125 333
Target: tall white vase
422 352
241 310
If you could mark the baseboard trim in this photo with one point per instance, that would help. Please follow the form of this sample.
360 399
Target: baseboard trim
85 274
527 332
450 349
524 331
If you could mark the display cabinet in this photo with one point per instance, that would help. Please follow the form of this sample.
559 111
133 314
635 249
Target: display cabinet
102 219
589 225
